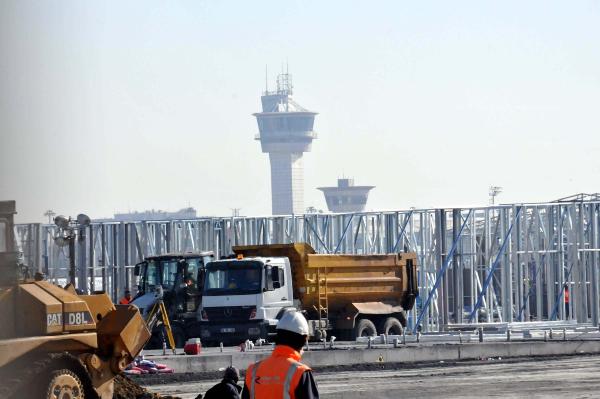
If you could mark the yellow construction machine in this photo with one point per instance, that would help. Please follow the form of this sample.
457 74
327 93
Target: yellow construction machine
55 343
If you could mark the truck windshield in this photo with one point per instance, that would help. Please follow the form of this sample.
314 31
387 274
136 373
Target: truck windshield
233 278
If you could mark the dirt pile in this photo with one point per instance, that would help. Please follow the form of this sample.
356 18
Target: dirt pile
127 389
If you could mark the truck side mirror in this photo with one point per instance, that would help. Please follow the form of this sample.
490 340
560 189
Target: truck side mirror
275 277
268 278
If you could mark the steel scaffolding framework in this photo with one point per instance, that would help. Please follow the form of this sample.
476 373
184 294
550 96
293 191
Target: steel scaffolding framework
490 264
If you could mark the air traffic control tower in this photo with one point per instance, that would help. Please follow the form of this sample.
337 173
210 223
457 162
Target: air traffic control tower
286 131
346 197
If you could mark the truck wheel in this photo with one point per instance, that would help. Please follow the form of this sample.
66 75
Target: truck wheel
391 326
364 328
64 384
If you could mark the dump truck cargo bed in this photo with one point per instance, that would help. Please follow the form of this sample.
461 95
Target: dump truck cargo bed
374 282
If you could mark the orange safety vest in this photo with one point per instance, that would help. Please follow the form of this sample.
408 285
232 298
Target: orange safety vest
124 301
277 376
566 295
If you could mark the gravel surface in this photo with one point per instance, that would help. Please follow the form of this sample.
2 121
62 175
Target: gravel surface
560 377
125 388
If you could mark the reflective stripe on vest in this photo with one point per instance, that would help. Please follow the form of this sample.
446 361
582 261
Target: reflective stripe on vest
286 383
253 380
288 379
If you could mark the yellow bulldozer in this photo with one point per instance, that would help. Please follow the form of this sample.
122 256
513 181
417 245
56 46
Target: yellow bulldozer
55 343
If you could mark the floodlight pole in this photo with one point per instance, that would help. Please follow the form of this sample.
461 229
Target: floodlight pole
494 191
72 268
71 230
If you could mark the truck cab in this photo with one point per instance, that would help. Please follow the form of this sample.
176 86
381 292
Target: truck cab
243 298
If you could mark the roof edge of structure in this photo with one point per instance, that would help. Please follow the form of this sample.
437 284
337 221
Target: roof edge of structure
346 188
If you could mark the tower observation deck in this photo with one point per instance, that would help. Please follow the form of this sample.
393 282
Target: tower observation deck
285 133
346 197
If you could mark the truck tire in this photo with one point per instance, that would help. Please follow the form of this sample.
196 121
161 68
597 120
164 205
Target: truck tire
364 328
391 326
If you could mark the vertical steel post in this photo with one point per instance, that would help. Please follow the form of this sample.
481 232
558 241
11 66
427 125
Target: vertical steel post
473 262
504 269
82 258
103 249
440 227
72 263
457 274
127 254
115 264
593 221
539 267
582 314
557 282
37 265
91 260
515 280
554 262
486 264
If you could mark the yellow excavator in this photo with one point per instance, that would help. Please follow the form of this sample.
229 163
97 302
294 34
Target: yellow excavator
55 343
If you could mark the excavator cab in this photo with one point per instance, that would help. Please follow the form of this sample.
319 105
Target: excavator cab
176 279
180 276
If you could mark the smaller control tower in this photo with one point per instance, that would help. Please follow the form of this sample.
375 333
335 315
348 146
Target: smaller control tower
286 132
346 197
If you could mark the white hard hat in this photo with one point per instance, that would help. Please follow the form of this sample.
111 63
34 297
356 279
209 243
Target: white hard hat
293 321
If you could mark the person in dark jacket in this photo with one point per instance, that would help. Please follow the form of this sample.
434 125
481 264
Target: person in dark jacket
228 388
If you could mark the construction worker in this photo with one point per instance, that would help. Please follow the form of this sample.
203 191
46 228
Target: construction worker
126 300
227 388
281 375
189 280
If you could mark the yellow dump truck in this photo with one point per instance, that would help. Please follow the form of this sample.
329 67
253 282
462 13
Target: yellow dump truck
54 343
348 296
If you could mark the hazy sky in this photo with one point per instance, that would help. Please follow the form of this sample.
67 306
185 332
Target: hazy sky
114 106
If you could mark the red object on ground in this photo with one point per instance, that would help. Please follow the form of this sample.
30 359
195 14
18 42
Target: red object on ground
142 371
193 346
166 370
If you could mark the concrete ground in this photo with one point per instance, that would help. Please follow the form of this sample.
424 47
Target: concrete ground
572 377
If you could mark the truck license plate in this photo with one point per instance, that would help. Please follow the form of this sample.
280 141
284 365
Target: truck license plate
227 330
